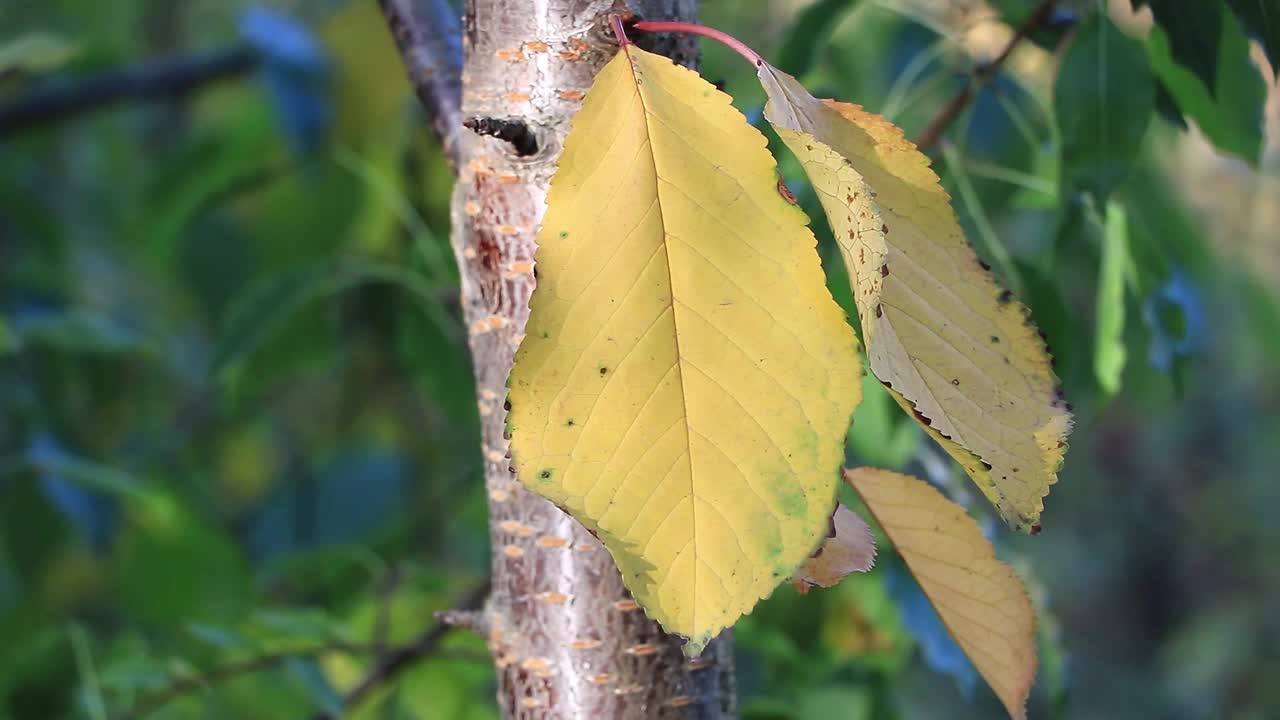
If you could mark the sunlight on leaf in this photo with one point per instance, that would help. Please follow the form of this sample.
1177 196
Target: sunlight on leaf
956 350
686 379
981 600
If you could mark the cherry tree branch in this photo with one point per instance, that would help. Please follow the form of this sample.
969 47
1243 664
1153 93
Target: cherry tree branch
388 662
981 74
257 663
391 664
429 36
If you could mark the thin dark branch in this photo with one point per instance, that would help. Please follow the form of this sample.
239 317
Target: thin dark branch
430 40
386 598
981 75
190 683
57 99
389 666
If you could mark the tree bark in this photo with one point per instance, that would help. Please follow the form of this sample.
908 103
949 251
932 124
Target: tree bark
567 639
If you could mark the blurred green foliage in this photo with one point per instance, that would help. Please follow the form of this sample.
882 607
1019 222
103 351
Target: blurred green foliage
238 440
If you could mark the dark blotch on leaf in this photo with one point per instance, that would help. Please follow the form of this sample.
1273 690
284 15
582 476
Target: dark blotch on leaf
1035 529
884 270
995 339
955 381
879 311
984 265
604 371
545 474
985 464
1005 297
569 422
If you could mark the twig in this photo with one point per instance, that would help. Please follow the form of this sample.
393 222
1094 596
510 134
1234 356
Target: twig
58 99
190 683
430 40
981 75
386 599
399 659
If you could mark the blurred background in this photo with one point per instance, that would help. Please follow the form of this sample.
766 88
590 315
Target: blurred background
238 439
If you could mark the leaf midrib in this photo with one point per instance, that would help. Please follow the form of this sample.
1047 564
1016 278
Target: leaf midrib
684 397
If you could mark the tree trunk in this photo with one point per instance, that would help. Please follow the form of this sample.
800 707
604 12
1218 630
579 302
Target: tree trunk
567 639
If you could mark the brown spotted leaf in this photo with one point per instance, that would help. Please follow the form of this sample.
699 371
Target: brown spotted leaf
957 351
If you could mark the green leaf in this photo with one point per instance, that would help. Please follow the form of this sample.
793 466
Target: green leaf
130 667
88 474
76 330
880 434
1103 100
10 342
171 568
846 703
34 52
285 625
809 33
269 302
1261 20
217 636
317 686
1194 31
1109 350
1228 110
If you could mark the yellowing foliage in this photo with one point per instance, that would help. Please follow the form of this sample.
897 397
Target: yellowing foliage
957 351
686 379
981 600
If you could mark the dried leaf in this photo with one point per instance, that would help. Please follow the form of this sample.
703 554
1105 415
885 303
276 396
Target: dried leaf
686 378
956 350
850 549
981 600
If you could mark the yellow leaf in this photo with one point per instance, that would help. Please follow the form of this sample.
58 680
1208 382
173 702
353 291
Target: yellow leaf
686 378
981 600
958 352
849 548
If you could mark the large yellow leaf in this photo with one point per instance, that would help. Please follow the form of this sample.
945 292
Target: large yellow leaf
981 600
957 351
686 379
